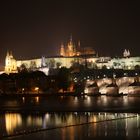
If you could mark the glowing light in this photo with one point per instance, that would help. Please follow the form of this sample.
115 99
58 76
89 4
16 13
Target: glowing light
37 99
36 88
86 90
23 99
75 99
12 121
47 116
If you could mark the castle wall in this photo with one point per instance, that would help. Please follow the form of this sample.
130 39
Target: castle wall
56 62
29 63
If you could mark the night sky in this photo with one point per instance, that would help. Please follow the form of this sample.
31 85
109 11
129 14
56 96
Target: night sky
34 28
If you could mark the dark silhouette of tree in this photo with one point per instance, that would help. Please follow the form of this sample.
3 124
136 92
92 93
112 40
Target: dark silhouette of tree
52 63
22 68
104 67
63 78
137 67
3 82
58 64
33 65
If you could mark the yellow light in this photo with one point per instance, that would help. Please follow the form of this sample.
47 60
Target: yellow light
12 121
37 99
36 88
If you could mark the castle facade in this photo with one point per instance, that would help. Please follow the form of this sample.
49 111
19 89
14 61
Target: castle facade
71 49
69 55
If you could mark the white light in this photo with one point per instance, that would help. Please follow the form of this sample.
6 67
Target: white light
86 90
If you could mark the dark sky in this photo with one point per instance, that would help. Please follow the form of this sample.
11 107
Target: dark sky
35 28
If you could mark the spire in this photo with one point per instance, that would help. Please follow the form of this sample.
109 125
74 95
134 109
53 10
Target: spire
128 53
7 54
125 53
71 38
62 50
79 44
43 64
10 53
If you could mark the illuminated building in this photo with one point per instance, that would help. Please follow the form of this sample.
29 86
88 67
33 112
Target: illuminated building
45 63
126 53
10 63
71 50
69 55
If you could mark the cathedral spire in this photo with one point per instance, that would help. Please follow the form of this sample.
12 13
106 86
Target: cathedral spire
79 44
126 53
7 54
10 53
62 50
71 38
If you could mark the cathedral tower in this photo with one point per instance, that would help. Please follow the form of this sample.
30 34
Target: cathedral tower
71 50
10 63
62 50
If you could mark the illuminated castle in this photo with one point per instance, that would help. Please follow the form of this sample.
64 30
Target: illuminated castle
71 50
10 63
70 54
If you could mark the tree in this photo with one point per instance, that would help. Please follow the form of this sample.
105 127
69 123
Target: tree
33 65
22 68
3 82
52 63
63 78
104 67
137 67
58 64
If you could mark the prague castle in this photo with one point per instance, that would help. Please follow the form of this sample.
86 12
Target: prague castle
70 54
71 50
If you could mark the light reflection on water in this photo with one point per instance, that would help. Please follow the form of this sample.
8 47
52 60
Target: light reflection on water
15 122
62 103
12 121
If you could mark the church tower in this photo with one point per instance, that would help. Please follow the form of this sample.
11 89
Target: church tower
10 63
126 53
62 50
78 49
71 51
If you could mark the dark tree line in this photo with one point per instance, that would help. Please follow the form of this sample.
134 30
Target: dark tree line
26 81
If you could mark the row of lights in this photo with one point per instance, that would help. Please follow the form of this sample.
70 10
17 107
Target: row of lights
104 76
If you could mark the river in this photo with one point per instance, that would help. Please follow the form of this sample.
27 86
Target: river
69 117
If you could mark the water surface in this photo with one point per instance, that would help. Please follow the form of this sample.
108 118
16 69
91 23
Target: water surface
89 124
